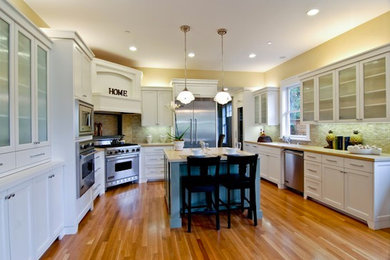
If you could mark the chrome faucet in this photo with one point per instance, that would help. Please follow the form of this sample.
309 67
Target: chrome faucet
286 139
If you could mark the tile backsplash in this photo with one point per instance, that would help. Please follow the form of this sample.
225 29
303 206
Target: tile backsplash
132 129
377 134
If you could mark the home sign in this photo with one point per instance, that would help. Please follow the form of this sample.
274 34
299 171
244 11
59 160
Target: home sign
117 92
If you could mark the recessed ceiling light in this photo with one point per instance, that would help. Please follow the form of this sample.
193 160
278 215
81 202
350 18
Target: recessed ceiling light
252 55
191 54
269 43
132 48
312 12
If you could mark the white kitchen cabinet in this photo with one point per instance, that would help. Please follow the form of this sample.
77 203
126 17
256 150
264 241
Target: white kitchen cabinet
333 186
274 169
156 109
352 90
270 164
152 158
82 75
98 187
18 214
266 102
4 241
40 214
358 193
56 202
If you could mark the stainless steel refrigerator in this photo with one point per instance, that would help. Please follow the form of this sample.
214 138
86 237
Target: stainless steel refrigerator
200 118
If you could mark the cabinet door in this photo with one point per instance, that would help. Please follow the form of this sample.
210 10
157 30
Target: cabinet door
56 201
358 193
149 108
263 165
86 78
374 88
164 112
40 214
308 95
4 238
24 95
19 221
264 108
347 93
257 110
273 168
6 107
42 95
333 186
77 72
326 97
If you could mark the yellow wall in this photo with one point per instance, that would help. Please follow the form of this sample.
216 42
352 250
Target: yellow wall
162 77
369 35
30 13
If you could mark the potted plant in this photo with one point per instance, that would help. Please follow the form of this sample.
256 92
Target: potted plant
177 139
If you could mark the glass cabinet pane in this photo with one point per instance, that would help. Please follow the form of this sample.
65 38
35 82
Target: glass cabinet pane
257 110
24 89
4 84
325 87
347 93
374 85
308 100
264 111
42 94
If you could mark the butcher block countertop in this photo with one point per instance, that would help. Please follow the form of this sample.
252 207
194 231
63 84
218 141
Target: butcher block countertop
181 156
317 149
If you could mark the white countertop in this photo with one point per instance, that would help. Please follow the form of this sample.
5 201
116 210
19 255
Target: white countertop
317 149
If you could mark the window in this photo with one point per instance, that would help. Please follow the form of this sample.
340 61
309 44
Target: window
291 114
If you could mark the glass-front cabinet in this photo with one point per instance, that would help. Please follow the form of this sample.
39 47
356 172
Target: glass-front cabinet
326 97
347 93
308 98
266 104
264 112
374 88
42 95
6 128
257 110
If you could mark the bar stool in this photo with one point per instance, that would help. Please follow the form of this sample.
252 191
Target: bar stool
204 182
241 181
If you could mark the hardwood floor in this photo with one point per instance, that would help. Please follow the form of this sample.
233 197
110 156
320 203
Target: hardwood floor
131 222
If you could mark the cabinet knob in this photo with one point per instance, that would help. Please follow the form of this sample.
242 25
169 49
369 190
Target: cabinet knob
84 95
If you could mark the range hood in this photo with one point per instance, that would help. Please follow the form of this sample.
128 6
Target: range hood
115 88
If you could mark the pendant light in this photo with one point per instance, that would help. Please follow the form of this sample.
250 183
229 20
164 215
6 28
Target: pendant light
222 96
185 96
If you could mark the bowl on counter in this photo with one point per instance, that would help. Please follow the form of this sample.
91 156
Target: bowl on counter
231 150
197 152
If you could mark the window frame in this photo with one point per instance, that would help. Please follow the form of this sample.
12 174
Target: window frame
285 110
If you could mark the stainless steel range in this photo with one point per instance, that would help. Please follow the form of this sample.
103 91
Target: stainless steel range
122 161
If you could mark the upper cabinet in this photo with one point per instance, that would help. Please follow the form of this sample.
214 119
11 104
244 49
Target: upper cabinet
82 75
267 106
156 103
24 87
356 89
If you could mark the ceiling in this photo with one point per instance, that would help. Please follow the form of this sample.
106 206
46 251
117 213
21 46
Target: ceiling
153 27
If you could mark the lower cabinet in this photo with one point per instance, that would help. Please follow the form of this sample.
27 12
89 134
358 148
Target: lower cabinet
358 198
31 215
270 164
99 186
153 162
333 186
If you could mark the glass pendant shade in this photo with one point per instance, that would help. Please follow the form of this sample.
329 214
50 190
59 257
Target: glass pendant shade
222 97
185 97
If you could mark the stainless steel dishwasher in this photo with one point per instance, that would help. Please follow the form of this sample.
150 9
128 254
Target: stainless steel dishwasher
293 169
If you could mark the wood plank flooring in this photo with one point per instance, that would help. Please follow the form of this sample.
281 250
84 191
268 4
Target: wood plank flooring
131 222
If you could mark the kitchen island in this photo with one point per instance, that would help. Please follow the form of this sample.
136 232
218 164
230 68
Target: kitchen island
175 166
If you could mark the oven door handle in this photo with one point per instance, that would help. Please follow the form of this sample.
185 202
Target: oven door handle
116 158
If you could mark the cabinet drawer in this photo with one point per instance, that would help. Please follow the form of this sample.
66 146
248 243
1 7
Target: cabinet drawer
154 159
359 165
269 150
99 161
312 170
157 149
315 157
7 162
333 160
154 173
313 188
31 156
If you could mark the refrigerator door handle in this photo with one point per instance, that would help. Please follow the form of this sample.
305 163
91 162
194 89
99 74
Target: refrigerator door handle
190 131
196 131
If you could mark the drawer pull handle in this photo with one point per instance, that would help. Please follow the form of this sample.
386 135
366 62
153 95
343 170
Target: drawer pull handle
311 156
37 155
97 157
51 176
98 169
311 170
310 187
84 95
331 160
357 165
10 196
37 142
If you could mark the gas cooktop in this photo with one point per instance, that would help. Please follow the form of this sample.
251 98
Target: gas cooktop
114 145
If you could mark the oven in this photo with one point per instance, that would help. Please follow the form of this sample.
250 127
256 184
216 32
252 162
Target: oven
85 167
84 115
121 169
